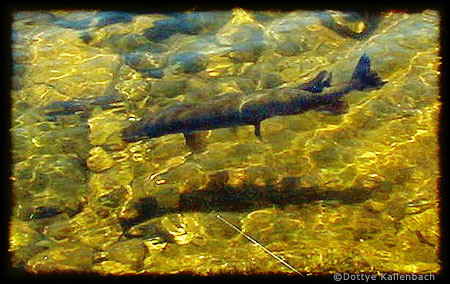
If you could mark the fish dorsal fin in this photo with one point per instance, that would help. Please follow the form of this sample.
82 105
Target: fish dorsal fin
316 85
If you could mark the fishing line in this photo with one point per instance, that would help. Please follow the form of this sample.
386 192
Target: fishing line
258 244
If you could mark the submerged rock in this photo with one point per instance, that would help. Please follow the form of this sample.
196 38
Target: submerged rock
129 252
22 239
141 60
94 231
153 72
289 48
104 129
168 88
66 258
58 185
82 71
99 160
247 44
181 23
98 20
354 25
188 62
185 23
151 205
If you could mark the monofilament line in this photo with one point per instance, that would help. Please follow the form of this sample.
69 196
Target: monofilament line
258 244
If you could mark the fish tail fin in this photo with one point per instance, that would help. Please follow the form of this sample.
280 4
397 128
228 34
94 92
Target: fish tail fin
363 77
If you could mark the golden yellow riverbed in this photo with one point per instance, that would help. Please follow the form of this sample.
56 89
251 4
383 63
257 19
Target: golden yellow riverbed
85 201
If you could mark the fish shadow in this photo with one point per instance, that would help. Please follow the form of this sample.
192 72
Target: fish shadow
243 199
257 197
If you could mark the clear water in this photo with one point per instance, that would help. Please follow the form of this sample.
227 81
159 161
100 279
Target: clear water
355 192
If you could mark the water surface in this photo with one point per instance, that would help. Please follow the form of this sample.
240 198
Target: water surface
355 192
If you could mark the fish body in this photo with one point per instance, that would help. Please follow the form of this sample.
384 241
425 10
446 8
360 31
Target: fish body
233 109
80 105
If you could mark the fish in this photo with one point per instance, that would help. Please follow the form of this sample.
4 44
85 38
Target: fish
58 108
236 109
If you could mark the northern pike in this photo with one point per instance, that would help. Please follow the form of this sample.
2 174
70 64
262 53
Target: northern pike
234 109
